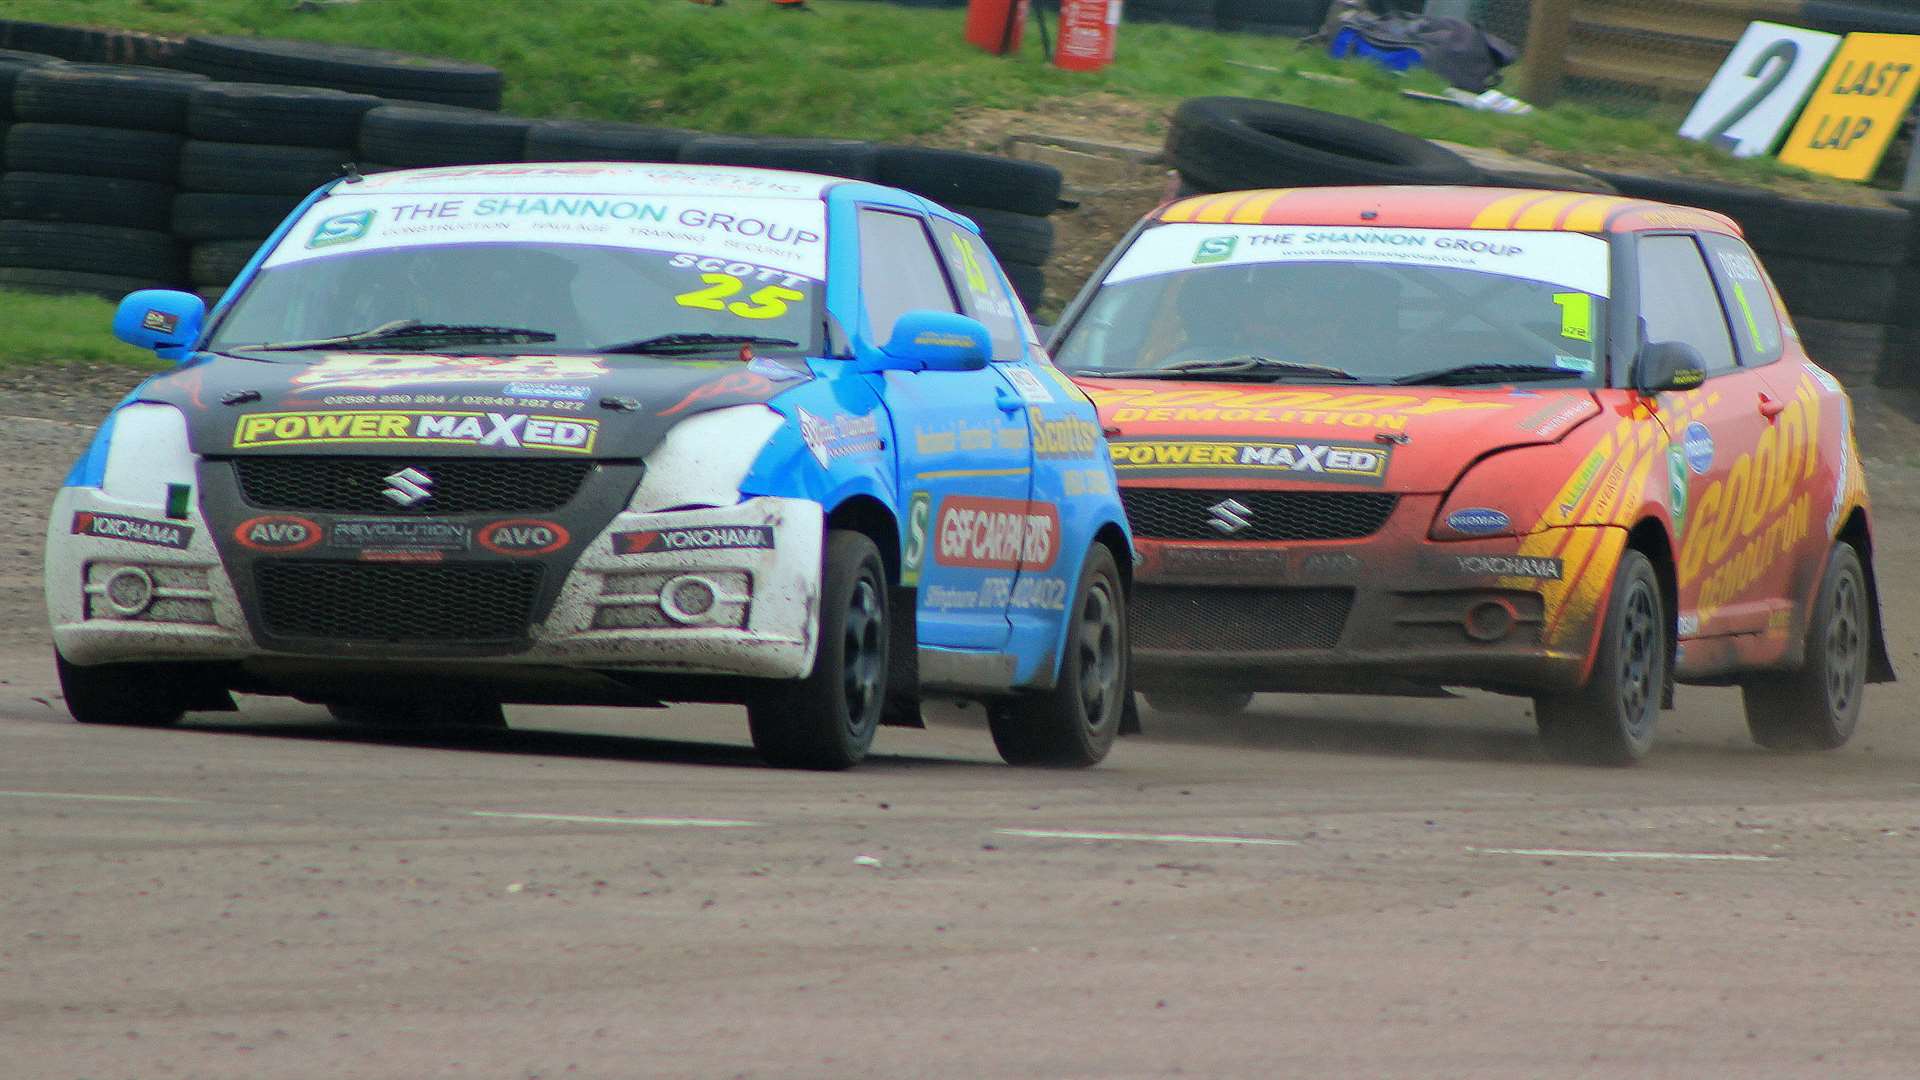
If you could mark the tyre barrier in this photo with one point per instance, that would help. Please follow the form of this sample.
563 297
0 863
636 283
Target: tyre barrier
194 169
1231 143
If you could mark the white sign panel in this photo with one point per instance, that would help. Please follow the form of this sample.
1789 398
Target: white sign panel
1568 260
1760 89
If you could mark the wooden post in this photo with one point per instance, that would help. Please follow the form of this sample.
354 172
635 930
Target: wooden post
1548 24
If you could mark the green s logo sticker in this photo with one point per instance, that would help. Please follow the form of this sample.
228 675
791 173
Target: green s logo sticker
341 229
1215 249
1677 489
916 547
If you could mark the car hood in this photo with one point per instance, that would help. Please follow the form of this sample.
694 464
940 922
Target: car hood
1392 438
440 405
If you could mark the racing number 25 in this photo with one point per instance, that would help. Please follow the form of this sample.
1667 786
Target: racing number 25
768 302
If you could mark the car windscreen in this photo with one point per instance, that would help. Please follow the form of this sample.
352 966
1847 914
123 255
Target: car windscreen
592 271
1379 304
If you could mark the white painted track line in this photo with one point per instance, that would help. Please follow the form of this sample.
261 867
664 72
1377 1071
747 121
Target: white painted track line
1681 856
1145 838
84 797
655 822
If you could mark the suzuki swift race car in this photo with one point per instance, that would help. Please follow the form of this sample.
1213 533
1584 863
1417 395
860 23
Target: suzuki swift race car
1392 440
603 433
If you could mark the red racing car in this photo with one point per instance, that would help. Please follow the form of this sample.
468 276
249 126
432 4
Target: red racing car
1567 446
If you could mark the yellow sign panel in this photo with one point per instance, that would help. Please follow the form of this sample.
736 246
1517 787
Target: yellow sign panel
1857 107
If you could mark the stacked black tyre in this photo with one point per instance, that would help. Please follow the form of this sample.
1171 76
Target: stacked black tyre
401 76
412 136
1233 144
256 151
602 140
1900 364
1838 267
87 196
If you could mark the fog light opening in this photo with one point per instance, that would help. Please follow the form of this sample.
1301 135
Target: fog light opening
1490 620
689 599
129 592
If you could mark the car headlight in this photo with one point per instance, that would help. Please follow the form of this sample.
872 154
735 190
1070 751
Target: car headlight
147 454
703 460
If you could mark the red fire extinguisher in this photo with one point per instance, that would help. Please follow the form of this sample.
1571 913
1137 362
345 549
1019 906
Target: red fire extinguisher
1085 34
995 25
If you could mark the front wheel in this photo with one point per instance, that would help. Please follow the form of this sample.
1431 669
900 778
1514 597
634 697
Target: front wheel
130 695
1073 724
827 720
1818 706
1610 720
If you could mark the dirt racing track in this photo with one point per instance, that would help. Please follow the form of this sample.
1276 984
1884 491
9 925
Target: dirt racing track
1324 887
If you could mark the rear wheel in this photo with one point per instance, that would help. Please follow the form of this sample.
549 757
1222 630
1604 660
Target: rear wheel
133 695
1610 720
1818 706
1201 702
1073 724
827 720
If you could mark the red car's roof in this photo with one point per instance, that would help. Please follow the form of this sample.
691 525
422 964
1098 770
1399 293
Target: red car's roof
1443 208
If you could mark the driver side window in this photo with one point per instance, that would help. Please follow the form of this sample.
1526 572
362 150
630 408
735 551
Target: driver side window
1678 301
898 271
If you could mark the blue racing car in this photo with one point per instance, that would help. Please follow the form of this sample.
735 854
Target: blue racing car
603 434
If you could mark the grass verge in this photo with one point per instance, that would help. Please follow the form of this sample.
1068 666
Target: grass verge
74 329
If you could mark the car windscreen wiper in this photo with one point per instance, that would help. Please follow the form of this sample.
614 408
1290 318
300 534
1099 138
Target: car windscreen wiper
668 344
1230 367
404 331
1486 373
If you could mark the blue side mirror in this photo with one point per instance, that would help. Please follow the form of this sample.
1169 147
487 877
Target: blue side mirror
927 340
163 320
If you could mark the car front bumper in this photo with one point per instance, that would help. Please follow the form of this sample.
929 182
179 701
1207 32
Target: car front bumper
746 609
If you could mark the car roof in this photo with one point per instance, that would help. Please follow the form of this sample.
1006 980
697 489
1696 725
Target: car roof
1411 207
596 178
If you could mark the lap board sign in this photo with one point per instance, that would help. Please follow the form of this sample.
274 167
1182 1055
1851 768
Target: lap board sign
1760 88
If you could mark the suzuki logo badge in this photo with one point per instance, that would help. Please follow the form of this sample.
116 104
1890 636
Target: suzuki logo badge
409 487
1229 517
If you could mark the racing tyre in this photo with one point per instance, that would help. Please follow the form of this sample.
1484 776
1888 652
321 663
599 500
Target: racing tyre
849 158
218 262
1202 702
1229 143
258 113
343 67
603 140
1021 238
417 137
93 151
1818 706
95 200
1073 724
827 720
1610 720
132 695
1029 283
255 168
422 715
110 95
100 249
957 176
201 215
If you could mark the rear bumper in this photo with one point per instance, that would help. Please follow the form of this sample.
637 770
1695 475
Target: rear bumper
1389 613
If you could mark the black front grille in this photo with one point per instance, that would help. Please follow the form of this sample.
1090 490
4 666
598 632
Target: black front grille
1186 514
355 601
357 485
1238 620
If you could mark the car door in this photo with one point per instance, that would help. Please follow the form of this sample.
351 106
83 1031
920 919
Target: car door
962 450
1072 475
1715 431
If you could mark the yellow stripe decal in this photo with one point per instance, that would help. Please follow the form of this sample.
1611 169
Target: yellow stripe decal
1254 211
1499 215
1222 208
1183 210
1543 214
1591 216
941 474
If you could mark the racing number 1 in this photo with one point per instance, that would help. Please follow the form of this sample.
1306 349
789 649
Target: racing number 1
769 302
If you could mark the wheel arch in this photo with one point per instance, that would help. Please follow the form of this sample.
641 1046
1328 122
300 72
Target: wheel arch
1115 539
1859 533
868 516
1649 537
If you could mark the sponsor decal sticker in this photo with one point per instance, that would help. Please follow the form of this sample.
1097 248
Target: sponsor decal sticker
1477 520
382 371
277 533
164 534
915 554
1263 563
698 538
1357 463
1526 566
1359 409
1688 624
1032 390
160 322
342 229
550 391
996 534
840 435
1214 249
363 534
490 430
1698 441
1558 415
1066 437
1677 489
1330 562
522 536
775 370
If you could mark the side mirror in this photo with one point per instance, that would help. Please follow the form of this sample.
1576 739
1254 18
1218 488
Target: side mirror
163 320
1668 365
925 340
